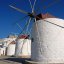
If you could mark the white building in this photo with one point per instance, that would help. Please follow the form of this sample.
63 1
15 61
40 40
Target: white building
23 47
11 49
5 43
48 40
2 49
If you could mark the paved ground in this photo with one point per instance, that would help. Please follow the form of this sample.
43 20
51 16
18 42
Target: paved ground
16 60
12 60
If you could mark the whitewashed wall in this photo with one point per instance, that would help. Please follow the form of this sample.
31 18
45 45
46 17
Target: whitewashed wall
2 51
8 40
48 41
11 50
23 47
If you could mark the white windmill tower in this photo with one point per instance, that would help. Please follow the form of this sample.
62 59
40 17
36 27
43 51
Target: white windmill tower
47 46
23 45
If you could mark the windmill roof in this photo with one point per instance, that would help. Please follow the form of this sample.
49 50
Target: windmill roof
23 36
43 16
13 42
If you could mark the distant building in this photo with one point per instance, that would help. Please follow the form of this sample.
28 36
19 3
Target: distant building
4 43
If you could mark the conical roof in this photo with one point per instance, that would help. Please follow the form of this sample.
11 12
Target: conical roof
23 37
13 42
43 16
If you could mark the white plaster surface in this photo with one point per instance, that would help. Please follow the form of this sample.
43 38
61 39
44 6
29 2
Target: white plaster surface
2 51
48 44
23 47
11 49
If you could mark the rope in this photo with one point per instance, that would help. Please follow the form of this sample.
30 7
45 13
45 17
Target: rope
30 30
28 25
24 27
30 3
33 6
20 27
54 24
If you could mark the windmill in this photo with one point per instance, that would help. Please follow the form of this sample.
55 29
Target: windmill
32 15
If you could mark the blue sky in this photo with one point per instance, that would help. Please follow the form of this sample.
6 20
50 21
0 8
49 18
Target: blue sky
9 16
